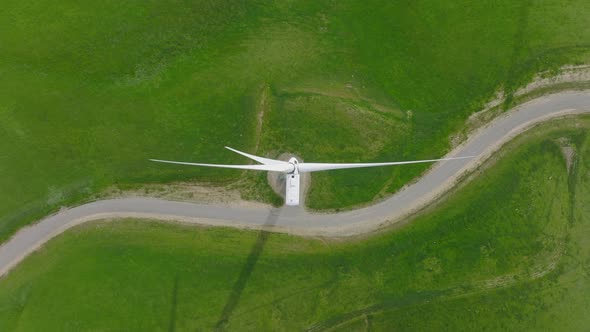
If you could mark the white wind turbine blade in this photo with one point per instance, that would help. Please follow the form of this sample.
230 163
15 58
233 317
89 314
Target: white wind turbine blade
261 160
315 167
285 168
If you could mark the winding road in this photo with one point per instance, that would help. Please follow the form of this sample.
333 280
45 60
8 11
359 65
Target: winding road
439 179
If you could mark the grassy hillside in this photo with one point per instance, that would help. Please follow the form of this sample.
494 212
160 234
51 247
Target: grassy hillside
506 251
91 90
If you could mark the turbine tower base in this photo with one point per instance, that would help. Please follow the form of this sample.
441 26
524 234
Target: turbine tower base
277 181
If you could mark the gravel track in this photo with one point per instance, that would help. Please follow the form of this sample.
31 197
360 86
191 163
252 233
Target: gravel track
296 220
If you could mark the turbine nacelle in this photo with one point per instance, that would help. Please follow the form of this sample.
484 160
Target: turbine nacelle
293 168
293 161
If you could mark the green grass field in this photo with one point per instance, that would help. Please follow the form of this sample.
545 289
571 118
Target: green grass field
508 250
91 90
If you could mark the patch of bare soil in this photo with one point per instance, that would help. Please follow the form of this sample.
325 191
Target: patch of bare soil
263 108
566 74
349 94
569 153
183 191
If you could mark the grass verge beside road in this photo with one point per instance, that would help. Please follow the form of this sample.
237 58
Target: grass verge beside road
507 250
87 98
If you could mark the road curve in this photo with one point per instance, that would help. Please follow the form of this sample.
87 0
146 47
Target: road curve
440 178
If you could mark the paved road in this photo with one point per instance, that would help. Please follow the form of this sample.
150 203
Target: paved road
439 179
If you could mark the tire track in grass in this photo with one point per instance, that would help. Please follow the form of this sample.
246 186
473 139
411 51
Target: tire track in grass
172 323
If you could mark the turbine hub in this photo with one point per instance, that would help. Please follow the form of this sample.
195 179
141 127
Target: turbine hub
293 161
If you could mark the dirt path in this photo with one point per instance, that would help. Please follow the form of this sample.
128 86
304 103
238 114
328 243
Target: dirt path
438 180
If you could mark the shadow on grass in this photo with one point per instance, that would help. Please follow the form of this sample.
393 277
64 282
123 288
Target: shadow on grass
172 323
247 269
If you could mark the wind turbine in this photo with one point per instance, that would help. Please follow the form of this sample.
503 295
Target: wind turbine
293 168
